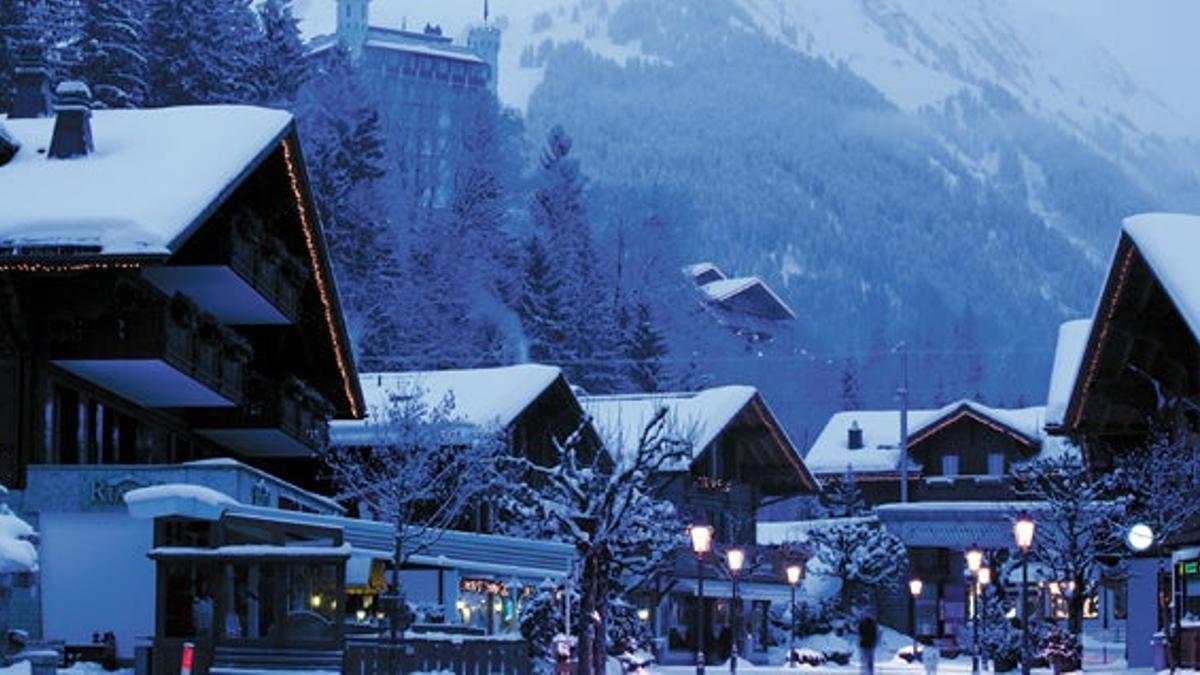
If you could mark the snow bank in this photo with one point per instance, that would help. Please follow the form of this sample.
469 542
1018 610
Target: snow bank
153 174
17 553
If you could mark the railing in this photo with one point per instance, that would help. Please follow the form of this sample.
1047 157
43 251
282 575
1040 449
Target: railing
460 654
264 262
142 323
289 405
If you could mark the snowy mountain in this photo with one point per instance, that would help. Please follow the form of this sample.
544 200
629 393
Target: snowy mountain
947 173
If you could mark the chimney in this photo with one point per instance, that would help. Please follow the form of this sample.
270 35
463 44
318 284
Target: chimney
31 77
854 439
73 126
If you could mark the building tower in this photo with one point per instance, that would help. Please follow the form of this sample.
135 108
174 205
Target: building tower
485 41
352 21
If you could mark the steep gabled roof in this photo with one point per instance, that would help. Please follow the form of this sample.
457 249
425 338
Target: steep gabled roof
155 176
483 397
880 454
726 291
1068 354
700 417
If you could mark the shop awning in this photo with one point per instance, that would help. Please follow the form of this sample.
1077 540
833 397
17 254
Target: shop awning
490 554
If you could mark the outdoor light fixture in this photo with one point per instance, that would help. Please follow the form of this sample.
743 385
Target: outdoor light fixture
315 601
701 538
985 576
361 615
794 573
974 558
736 558
1139 538
914 586
643 614
1023 532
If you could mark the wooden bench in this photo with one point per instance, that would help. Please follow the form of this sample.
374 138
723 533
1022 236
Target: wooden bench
102 650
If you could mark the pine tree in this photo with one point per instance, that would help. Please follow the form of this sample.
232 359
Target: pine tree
540 309
280 60
851 389
645 349
13 13
841 497
201 51
112 52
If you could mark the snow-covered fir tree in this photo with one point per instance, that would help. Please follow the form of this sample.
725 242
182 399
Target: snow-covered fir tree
112 52
14 15
279 68
541 303
645 350
868 559
841 498
201 51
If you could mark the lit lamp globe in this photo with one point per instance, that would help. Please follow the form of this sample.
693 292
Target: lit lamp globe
793 574
985 576
1139 538
701 539
974 559
915 586
1023 532
736 557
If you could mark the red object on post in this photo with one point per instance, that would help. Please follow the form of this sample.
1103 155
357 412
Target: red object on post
185 660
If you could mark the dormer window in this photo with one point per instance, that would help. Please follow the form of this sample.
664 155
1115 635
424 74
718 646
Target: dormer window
950 465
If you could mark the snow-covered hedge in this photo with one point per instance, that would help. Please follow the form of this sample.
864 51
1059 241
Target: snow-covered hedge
17 538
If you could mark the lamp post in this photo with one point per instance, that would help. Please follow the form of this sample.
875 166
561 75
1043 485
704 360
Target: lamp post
983 578
736 558
914 590
794 572
701 544
974 562
1023 533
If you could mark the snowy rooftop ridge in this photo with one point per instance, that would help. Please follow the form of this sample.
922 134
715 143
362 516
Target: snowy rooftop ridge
153 177
483 397
1068 356
698 416
1168 242
830 453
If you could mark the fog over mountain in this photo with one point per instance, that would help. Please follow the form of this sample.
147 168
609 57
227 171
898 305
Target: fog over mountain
946 174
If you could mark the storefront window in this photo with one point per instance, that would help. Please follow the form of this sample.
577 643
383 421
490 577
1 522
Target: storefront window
250 612
188 602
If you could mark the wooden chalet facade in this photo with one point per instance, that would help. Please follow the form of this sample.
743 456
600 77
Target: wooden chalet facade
1142 348
741 458
960 494
168 310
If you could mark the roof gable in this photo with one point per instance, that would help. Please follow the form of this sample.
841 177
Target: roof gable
748 294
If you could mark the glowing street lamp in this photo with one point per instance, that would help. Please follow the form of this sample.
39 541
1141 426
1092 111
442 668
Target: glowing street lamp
794 572
1023 531
974 563
914 591
735 557
701 536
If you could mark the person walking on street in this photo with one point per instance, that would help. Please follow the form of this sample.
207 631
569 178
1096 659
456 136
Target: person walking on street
868 638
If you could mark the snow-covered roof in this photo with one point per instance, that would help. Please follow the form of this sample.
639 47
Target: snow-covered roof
830 453
956 524
1068 355
152 178
697 269
1169 242
17 553
483 397
697 416
424 49
178 499
723 290
774 533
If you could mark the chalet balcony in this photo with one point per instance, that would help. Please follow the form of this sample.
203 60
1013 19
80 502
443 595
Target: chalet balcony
279 419
155 351
246 276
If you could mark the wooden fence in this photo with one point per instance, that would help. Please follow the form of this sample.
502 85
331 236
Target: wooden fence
458 654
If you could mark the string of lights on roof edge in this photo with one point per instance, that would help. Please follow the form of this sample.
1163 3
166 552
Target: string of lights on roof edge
318 275
1110 311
